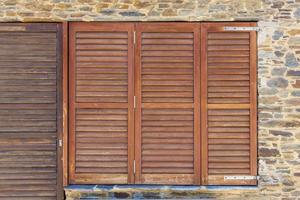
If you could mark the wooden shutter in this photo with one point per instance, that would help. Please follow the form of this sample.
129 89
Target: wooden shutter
29 71
167 126
101 103
228 108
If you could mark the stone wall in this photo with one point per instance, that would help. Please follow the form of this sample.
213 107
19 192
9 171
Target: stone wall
278 73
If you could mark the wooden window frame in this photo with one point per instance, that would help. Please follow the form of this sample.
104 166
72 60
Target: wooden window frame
203 178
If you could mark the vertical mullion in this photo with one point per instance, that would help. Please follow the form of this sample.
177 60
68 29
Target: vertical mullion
197 105
59 113
130 106
72 148
253 104
203 75
65 103
138 108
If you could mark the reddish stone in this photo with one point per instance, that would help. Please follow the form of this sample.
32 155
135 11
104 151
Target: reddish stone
297 84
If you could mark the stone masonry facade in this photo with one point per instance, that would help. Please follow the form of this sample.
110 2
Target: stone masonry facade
278 77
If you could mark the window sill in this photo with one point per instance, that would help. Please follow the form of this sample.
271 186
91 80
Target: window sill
155 191
157 187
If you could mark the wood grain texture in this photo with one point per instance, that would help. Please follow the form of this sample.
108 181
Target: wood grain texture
167 121
101 103
228 104
65 102
29 111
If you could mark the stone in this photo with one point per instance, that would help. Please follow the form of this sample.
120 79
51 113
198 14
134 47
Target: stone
278 71
297 13
122 6
268 91
296 193
93 195
279 53
277 4
291 60
268 99
293 101
297 84
60 1
293 73
101 6
294 32
85 1
282 133
131 14
278 82
151 195
296 93
169 12
282 123
121 195
297 174
266 152
142 4
277 35
10 2
164 5
294 42
288 182
107 12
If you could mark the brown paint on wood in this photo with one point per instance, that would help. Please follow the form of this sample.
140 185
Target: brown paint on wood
227 88
163 107
220 127
65 74
96 112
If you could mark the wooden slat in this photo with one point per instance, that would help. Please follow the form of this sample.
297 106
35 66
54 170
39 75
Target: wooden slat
101 104
229 104
30 110
168 110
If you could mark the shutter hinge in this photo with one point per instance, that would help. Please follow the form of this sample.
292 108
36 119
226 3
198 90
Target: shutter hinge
241 178
240 28
134 102
134 37
60 143
134 166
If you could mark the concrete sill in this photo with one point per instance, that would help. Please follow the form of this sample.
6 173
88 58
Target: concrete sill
156 191
157 187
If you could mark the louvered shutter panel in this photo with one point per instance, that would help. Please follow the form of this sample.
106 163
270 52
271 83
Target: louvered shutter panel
29 67
167 113
101 103
228 82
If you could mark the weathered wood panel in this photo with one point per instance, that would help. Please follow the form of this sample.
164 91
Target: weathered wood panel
29 71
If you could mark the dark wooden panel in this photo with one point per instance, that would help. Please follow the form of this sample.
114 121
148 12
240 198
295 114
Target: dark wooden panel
29 68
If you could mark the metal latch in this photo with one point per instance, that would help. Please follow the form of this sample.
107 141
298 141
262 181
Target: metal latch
60 143
134 166
241 28
241 177
134 37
